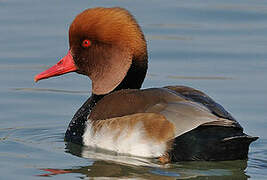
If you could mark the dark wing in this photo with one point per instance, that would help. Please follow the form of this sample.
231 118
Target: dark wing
200 97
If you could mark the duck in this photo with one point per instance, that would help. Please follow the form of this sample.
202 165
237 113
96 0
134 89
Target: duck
170 123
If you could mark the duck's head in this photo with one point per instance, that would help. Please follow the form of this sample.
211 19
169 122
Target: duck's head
107 45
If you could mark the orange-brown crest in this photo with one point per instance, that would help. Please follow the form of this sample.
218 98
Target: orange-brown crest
114 26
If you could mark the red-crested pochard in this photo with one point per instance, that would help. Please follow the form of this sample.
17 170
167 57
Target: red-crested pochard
172 123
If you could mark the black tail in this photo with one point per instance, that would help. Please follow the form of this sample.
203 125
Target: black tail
211 143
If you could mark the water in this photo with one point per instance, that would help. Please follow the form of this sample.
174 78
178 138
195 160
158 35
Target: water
219 47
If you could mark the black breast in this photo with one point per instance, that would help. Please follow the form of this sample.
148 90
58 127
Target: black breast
76 126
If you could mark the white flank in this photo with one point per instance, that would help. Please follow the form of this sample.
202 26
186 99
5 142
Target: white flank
132 142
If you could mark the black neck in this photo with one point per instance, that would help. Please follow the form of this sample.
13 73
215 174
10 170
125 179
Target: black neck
133 80
135 76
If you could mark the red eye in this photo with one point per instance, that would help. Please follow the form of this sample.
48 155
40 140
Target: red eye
86 43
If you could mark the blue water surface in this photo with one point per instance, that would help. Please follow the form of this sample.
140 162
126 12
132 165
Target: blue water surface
219 47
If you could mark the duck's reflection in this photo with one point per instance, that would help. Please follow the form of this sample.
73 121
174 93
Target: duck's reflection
107 165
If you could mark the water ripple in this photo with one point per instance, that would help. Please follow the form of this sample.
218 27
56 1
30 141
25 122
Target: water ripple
169 37
201 77
49 90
